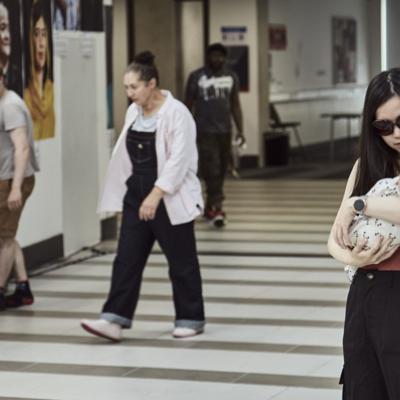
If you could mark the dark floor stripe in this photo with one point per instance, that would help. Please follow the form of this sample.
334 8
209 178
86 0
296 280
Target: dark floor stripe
268 210
301 222
263 241
243 253
176 374
166 318
180 344
244 229
259 282
297 205
18 398
258 254
272 192
255 254
276 219
208 299
234 267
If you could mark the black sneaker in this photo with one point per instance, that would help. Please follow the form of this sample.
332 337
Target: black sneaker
2 302
21 297
219 219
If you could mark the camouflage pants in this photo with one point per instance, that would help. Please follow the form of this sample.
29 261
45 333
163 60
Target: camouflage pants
214 159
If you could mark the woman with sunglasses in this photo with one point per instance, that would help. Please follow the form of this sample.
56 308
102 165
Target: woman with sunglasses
371 344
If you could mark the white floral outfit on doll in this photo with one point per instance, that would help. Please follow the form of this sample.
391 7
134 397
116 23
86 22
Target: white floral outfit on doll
364 227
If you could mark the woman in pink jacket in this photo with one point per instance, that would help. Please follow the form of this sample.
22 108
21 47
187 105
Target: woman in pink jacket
152 179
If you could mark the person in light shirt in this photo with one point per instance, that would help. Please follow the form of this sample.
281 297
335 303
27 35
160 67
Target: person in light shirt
152 179
18 165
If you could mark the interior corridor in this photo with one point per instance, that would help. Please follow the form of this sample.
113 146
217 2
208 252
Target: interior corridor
274 304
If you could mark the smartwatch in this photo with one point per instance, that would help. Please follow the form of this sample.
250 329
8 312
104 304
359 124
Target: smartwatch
360 205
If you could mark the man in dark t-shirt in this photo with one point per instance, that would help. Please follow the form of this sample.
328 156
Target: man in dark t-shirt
212 94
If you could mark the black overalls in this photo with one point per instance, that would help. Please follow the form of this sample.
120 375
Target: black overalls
371 341
136 241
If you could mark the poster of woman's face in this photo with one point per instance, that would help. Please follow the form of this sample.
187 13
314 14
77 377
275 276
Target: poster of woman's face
38 92
10 44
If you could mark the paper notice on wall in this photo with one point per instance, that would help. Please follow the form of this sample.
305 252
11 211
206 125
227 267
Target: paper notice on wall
87 46
233 33
60 45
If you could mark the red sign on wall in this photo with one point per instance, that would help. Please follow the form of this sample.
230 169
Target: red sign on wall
277 37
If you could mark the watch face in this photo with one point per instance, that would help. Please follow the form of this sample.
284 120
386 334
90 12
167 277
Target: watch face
359 205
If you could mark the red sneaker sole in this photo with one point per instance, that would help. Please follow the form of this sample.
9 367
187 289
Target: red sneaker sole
24 302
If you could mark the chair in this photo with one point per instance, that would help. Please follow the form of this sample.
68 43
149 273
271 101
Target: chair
277 123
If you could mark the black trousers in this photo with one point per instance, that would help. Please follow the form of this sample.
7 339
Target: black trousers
371 341
135 243
214 157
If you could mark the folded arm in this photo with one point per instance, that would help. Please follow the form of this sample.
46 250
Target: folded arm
339 244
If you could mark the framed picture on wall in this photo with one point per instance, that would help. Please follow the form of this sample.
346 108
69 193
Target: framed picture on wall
238 60
344 41
66 15
38 51
277 37
10 44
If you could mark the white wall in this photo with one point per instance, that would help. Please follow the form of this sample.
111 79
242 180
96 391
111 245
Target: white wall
73 163
307 62
301 76
393 33
42 216
192 37
120 62
84 135
374 37
239 13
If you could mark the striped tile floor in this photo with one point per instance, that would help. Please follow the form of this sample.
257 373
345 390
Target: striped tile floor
274 302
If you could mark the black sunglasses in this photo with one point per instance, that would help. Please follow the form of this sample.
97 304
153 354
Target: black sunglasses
386 127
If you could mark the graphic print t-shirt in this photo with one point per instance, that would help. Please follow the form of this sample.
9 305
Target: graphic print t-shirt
212 94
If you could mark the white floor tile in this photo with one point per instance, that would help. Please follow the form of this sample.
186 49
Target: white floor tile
119 355
269 229
62 387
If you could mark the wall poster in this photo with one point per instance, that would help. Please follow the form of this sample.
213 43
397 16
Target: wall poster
10 44
344 38
38 52
277 35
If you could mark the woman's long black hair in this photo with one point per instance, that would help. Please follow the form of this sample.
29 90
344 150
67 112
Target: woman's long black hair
377 159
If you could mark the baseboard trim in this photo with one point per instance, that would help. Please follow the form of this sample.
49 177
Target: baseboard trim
44 252
108 228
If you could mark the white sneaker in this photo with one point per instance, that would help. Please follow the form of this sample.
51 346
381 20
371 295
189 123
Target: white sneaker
103 328
181 333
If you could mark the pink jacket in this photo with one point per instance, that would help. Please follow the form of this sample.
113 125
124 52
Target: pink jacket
176 161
